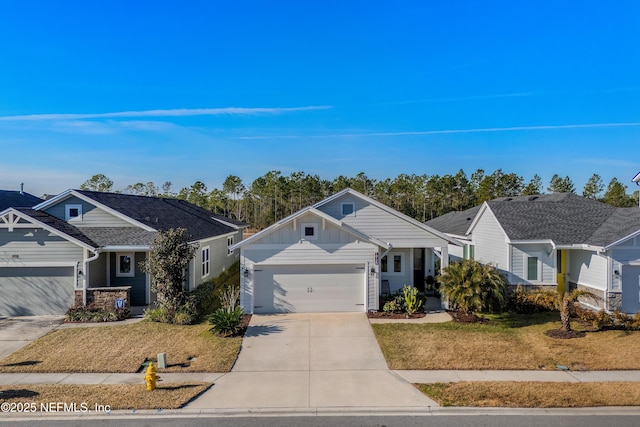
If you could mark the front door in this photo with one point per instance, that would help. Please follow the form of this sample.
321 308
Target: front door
561 265
418 269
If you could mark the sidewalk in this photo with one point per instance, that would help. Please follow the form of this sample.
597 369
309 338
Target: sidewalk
414 377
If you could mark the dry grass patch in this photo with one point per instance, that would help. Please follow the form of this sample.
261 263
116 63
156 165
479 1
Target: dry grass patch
533 394
122 396
124 348
507 342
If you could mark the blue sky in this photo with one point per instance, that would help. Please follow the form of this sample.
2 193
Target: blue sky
198 90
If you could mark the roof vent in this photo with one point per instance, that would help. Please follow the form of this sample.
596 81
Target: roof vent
532 198
508 199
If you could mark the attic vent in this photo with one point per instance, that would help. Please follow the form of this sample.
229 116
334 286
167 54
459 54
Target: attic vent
532 198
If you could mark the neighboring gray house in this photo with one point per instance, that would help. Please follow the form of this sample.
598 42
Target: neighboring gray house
81 240
554 239
335 255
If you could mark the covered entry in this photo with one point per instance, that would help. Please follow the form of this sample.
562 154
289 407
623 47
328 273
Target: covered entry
309 288
36 291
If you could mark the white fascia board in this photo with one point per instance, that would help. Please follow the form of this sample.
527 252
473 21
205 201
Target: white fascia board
617 242
228 224
125 248
485 207
269 229
389 210
50 229
636 178
534 242
87 199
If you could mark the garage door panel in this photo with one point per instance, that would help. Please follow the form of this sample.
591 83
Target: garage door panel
631 289
329 288
32 291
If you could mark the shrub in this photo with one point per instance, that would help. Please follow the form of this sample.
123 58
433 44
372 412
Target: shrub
523 301
207 295
92 314
226 320
411 302
471 286
603 320
394 304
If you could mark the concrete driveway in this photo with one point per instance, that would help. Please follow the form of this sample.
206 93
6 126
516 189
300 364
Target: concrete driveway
311 360
16 332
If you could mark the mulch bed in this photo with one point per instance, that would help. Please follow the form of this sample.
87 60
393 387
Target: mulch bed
383 315
464 317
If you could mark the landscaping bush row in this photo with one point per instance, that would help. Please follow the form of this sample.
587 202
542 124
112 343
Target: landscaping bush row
93 314
603 320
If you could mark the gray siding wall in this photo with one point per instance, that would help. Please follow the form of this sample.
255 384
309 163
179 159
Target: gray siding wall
92 216
381 224
546 260
490 243
588 269
98 272
138 282
219 259
37 245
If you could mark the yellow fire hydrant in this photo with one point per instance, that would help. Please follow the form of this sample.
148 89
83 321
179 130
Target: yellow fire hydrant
150 377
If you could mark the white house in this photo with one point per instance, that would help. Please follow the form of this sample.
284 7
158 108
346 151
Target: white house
555 239
335 255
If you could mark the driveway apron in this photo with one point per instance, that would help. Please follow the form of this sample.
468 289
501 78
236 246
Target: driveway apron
16 332
311 360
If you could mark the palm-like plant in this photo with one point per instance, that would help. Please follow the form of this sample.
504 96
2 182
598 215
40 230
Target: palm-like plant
471 286
566 301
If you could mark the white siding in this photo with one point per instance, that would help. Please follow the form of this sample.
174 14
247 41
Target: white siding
385 226
398 280
489 241
588 268
219 259
92 216
36 245
328 233
546 261
308 253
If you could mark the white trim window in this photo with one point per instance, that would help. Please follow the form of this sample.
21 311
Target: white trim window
229 243
125 264
72 212
206 263
309 231
348 209
396 266
532 268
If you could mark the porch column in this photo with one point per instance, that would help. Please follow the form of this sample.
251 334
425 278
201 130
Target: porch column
444 260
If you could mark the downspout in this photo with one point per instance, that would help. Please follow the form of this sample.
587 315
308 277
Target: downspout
95 256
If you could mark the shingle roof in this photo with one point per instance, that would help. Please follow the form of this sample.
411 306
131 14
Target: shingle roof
120 236
564 218
164 213
58 224
16 199
456 223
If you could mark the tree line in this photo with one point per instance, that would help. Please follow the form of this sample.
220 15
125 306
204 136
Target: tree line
274 196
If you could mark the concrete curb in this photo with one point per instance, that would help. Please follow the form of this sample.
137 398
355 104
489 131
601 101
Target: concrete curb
326 412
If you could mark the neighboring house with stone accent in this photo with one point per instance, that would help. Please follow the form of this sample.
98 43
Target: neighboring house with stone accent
548 241
80 243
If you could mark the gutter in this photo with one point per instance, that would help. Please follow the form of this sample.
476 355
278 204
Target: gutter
95 256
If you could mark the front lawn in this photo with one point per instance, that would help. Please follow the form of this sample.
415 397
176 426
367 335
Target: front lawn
98 398
533 394
124 348
507 342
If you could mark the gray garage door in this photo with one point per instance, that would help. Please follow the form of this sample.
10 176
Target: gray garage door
631 288
34 291
305 289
